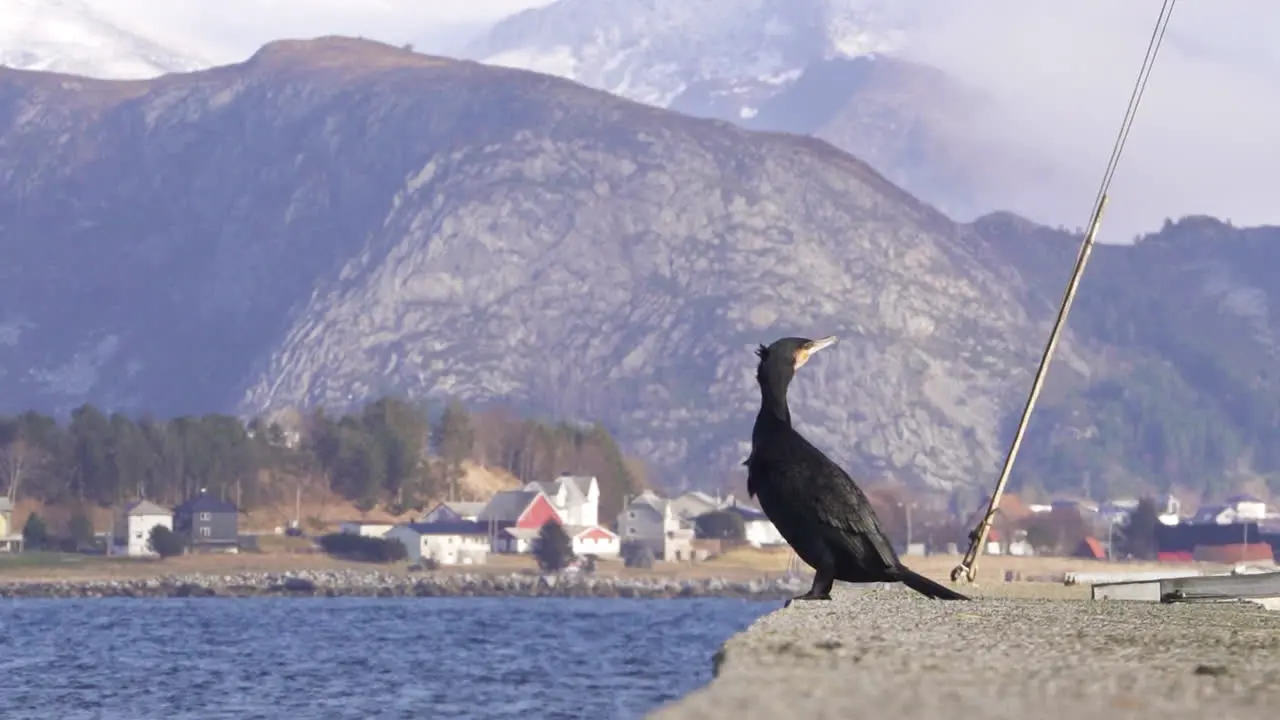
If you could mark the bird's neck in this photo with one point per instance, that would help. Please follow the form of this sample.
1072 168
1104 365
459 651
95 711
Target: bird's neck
773 403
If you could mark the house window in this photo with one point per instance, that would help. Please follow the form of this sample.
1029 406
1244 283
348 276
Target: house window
631 531
206 532
206 517
632 514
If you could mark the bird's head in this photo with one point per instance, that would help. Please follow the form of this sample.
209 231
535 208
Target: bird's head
779 361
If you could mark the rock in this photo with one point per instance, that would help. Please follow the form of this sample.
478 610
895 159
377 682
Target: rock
299 585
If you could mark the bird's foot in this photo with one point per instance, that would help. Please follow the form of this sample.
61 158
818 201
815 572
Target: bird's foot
808 596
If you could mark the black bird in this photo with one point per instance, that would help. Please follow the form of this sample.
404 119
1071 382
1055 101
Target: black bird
815 505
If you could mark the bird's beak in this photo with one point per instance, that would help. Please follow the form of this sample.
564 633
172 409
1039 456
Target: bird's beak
812 347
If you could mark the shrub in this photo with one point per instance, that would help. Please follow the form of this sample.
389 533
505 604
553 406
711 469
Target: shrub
553 547
363 548
80 530
166 542
637 555
35 534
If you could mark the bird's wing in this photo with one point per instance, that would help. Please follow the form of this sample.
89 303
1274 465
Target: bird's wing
843 506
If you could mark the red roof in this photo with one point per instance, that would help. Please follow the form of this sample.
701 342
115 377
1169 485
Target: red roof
597 533
537 513
1090 547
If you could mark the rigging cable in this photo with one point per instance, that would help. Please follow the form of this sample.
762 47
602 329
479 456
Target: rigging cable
968 568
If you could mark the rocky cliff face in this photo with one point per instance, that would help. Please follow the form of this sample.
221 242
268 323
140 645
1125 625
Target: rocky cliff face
335 218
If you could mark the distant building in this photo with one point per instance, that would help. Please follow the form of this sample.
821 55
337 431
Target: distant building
454 512
1247 507
447 543
653 521
10 537
133 525
208 524
688 506
594 540
364 528
576 498
515 517
758 530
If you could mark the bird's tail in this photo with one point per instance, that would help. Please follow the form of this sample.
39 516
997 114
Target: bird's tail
927 587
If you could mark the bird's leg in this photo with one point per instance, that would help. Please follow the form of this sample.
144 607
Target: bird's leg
823 579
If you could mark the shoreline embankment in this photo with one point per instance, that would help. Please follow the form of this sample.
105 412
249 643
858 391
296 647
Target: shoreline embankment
889 653
357 583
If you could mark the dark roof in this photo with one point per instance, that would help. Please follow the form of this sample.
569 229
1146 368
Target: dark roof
1243 498
508 505
205 502
145 507
746 513
459 527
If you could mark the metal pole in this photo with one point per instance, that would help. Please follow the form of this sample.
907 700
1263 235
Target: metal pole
1111 529
968 568
1244 549
908 529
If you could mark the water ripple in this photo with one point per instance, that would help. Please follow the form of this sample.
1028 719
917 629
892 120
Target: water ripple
358 658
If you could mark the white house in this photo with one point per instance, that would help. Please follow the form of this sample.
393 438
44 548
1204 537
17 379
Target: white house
595 540
1237 509
367 529
454 511
758 530
10 538
576 498
652 520
448 543
688 506
132 531
1247 508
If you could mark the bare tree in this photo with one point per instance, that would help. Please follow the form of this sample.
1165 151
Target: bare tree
16 459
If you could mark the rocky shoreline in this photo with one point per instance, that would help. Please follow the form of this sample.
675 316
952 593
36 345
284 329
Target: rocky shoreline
349 583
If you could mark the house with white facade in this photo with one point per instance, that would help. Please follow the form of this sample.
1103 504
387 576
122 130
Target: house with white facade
10 537
454 511
1236 509
594 540
133 526
515 518
576 498
758 530
1247 508
653 521
447 543
366 529
688 506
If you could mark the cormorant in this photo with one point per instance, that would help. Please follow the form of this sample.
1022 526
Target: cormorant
815 505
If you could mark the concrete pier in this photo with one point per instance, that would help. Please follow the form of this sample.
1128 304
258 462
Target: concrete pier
891 654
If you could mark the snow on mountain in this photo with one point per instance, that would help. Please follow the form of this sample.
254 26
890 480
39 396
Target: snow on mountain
69 36
653 51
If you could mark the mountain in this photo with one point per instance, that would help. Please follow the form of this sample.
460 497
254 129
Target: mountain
1183 327
69 36
335 219
828 68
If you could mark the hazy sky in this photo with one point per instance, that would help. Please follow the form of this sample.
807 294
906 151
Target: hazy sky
230 30
1207 139
1207 136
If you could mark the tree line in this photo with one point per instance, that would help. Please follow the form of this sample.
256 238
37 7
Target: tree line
389 451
